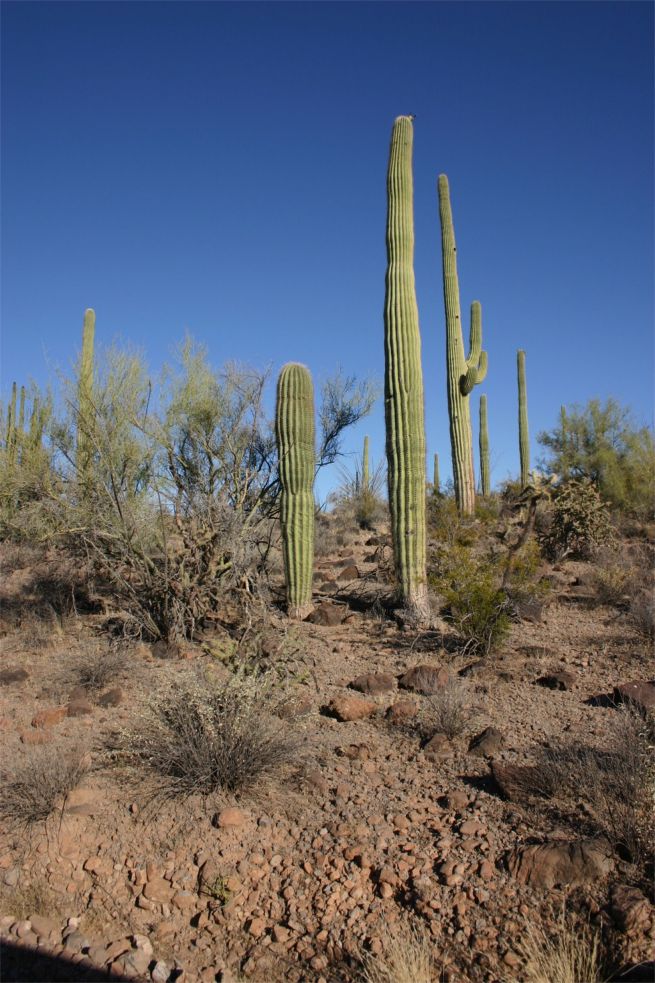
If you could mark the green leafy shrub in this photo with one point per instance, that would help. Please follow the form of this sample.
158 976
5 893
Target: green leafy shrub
579 522
474 603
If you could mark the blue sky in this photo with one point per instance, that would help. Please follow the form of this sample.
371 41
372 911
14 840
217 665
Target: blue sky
220 168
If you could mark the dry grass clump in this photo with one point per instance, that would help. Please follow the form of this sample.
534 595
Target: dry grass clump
201 735
617 783
36 785
447 711
571 954
94 668
641 614
406 957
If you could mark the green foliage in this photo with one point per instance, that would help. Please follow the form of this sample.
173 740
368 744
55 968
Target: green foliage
476 606
579 522
600 442
27 482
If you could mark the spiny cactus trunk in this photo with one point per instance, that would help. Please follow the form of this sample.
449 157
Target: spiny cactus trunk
294 431
463 372
403 381
86 412
485 482
524 436
11 438
435 475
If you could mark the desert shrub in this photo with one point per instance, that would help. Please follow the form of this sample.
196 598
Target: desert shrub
199 735
406 957
601 443
95 666
35 785
617 782
611 575
360 501
26 474
474 603
523 584
641 613
580 521
570 952
445 525
447 711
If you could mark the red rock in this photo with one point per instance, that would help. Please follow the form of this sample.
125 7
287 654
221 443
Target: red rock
346 708
438 746
549 864
629 907
640 693
489 742
328 615
372 683
424 679
48 718
79 708
400 711
230 818
515 781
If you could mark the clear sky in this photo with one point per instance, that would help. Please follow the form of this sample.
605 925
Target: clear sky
220 168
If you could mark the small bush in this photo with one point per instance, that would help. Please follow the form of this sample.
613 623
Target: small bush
579 524
361 501
447 711
203 736
641 615
525 588
475 605
95 668
406 958
35 786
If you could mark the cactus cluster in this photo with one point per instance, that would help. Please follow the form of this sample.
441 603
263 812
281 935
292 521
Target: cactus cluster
294 432
403 379
19 439
524 437
464 371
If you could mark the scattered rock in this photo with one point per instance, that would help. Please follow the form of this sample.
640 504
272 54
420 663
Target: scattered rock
111 697
515 781
400 711
346 708
561 680
295 706
45 928
328 615
548 865
487 743
79 708
231 818
438 746
424 679
372 683
15 674
349 573
629 908
49 718
640 693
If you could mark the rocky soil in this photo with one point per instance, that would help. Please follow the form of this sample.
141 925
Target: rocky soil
378 819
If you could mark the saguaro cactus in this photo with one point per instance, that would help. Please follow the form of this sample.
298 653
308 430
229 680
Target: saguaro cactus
11 437
85 409
403 379
463 372
485 482
524 436
294 431
366 474
435 475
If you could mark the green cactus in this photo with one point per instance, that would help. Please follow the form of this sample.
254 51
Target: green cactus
11 438
85 410
485 483
463 372
294 432
403 382
435 475
524 436
366 476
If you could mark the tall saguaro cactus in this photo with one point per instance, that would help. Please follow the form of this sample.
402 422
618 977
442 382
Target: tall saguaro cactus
524 436
485 482
85 409
464 372
294 432
403 379
435 475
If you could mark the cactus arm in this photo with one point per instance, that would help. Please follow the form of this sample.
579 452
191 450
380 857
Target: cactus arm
403 383
485 483
524 436
295 437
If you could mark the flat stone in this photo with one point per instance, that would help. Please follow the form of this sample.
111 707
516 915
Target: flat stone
111 697
487 743
424 679
49 718
552 864
45 928
157 890
349 573
438 746
640 693
230 818
328 615
346 708
372 683
15 674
